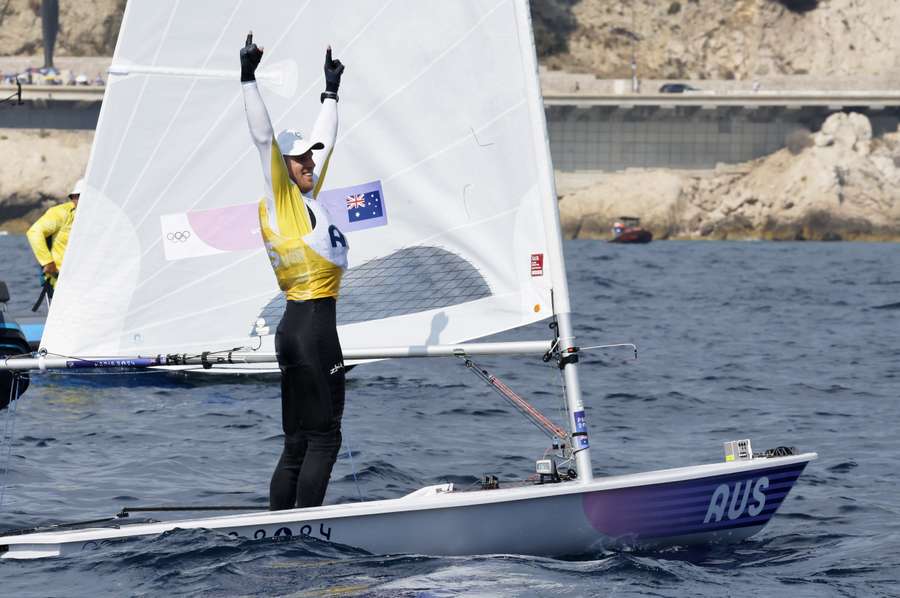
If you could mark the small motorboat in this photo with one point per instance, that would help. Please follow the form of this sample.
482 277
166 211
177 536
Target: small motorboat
627 229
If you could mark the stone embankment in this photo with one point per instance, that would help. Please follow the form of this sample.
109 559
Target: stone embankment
837 183
37 171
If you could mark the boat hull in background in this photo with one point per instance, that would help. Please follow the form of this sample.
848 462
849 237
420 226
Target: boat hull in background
716 503
12 343
637 235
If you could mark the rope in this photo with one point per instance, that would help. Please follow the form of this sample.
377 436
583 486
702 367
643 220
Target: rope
18 93
160 509
9 430
632 346
533 415
563 405
531 411
353 467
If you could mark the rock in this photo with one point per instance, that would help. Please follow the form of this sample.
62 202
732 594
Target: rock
39 172
823 139
589 212
85 28
847 189
737 39
852 131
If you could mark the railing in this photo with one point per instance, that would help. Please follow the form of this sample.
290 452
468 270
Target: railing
62 93
701 99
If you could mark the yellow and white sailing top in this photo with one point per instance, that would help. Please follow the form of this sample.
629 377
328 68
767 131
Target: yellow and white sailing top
55 224
307 251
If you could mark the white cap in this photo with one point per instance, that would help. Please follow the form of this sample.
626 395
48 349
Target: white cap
291 142
78 189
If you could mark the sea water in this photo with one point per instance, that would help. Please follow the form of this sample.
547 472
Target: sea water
787 344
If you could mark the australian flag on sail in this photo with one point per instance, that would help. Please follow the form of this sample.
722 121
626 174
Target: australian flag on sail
357 207
364 206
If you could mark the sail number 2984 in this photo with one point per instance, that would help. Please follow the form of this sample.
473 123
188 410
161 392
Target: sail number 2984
305 530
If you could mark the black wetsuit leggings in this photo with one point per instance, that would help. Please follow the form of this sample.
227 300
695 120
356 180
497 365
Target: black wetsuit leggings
312 403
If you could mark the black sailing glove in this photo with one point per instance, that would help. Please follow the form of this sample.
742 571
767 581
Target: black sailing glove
333 71
250 57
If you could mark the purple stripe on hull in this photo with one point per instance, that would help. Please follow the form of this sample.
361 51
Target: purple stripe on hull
700 501
680 524
685 530
697 489
712 504
654 516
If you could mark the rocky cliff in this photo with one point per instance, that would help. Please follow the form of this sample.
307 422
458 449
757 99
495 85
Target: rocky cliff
840 183
38 170
721 39
697 39
86 27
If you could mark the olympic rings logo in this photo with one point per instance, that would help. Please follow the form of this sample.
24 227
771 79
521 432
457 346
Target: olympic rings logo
179 237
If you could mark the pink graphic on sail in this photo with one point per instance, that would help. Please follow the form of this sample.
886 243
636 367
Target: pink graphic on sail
233 228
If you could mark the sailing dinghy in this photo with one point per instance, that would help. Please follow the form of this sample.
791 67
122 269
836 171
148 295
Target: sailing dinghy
442 122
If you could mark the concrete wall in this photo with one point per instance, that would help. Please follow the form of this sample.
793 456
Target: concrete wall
594 139
609 139
50 115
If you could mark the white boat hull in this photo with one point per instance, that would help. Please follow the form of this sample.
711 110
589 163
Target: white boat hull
692 505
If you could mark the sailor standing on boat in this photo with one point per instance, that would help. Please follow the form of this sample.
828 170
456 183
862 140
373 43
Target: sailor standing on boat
49 236
308 254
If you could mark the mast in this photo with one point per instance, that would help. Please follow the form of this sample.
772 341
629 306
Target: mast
561 307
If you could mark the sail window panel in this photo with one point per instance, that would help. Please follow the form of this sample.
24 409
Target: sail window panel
431 277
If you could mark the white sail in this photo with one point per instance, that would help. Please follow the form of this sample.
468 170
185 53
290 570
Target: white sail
438 114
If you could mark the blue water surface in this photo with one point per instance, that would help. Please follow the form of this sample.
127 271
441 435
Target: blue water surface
788 344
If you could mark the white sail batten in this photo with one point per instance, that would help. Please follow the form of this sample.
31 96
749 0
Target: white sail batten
436 121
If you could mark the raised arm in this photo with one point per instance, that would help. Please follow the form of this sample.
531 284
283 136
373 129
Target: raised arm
264 139
326 127
261 131
325 130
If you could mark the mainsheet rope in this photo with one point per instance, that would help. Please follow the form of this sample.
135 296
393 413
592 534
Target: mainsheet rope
346 437
9 430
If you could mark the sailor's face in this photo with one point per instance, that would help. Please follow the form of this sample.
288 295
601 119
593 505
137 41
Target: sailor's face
300 169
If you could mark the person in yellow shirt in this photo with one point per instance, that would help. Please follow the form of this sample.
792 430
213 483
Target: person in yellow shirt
308 254
49 236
